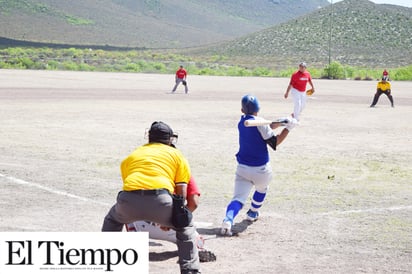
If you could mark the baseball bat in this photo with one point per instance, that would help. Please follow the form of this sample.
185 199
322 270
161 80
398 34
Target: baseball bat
255 123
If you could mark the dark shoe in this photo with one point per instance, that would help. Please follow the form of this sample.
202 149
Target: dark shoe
190 271
206 256
252 216
372 106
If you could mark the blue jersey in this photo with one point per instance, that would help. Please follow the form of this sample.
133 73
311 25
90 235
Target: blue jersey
253 149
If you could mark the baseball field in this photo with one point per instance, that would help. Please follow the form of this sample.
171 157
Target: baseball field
340 200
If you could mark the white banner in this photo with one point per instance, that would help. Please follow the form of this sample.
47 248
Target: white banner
74 252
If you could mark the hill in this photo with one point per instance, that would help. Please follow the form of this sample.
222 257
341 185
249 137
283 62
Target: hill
144 24
353 32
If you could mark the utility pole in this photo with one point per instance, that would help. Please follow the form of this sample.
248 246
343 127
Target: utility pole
330 34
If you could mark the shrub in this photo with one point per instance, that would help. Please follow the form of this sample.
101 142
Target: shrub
69 65
402 74
334 71
52 65
86 67
205 71
159 67
286 73
132 67
262 72
26 62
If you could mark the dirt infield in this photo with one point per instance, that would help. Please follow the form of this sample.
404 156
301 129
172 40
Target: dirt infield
340 201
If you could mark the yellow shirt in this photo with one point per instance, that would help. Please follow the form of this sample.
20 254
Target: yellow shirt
384 86
154 166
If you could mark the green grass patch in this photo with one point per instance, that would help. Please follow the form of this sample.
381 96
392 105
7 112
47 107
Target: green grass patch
150 61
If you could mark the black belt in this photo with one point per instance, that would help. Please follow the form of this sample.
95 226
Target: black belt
151 192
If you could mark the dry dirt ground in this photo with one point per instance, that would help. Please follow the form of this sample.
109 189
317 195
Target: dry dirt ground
340 200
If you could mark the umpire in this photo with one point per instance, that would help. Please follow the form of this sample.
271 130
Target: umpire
150 174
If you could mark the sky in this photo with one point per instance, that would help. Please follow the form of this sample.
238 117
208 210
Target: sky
405 3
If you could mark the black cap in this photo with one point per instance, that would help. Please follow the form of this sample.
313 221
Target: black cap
160 132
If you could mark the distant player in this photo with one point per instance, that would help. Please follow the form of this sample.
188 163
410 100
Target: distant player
385 73
180 77
297 85
383 87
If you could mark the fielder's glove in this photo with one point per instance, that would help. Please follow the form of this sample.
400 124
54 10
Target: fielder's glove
309 92
184 82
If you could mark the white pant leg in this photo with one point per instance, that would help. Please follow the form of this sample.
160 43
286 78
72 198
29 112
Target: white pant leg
299 102
242 185
247 177
155 233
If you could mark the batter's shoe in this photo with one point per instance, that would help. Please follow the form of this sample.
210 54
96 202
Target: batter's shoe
252 215
188 271
226 229
206 256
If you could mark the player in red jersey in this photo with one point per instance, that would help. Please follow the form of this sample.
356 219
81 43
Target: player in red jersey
297 85
181 75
